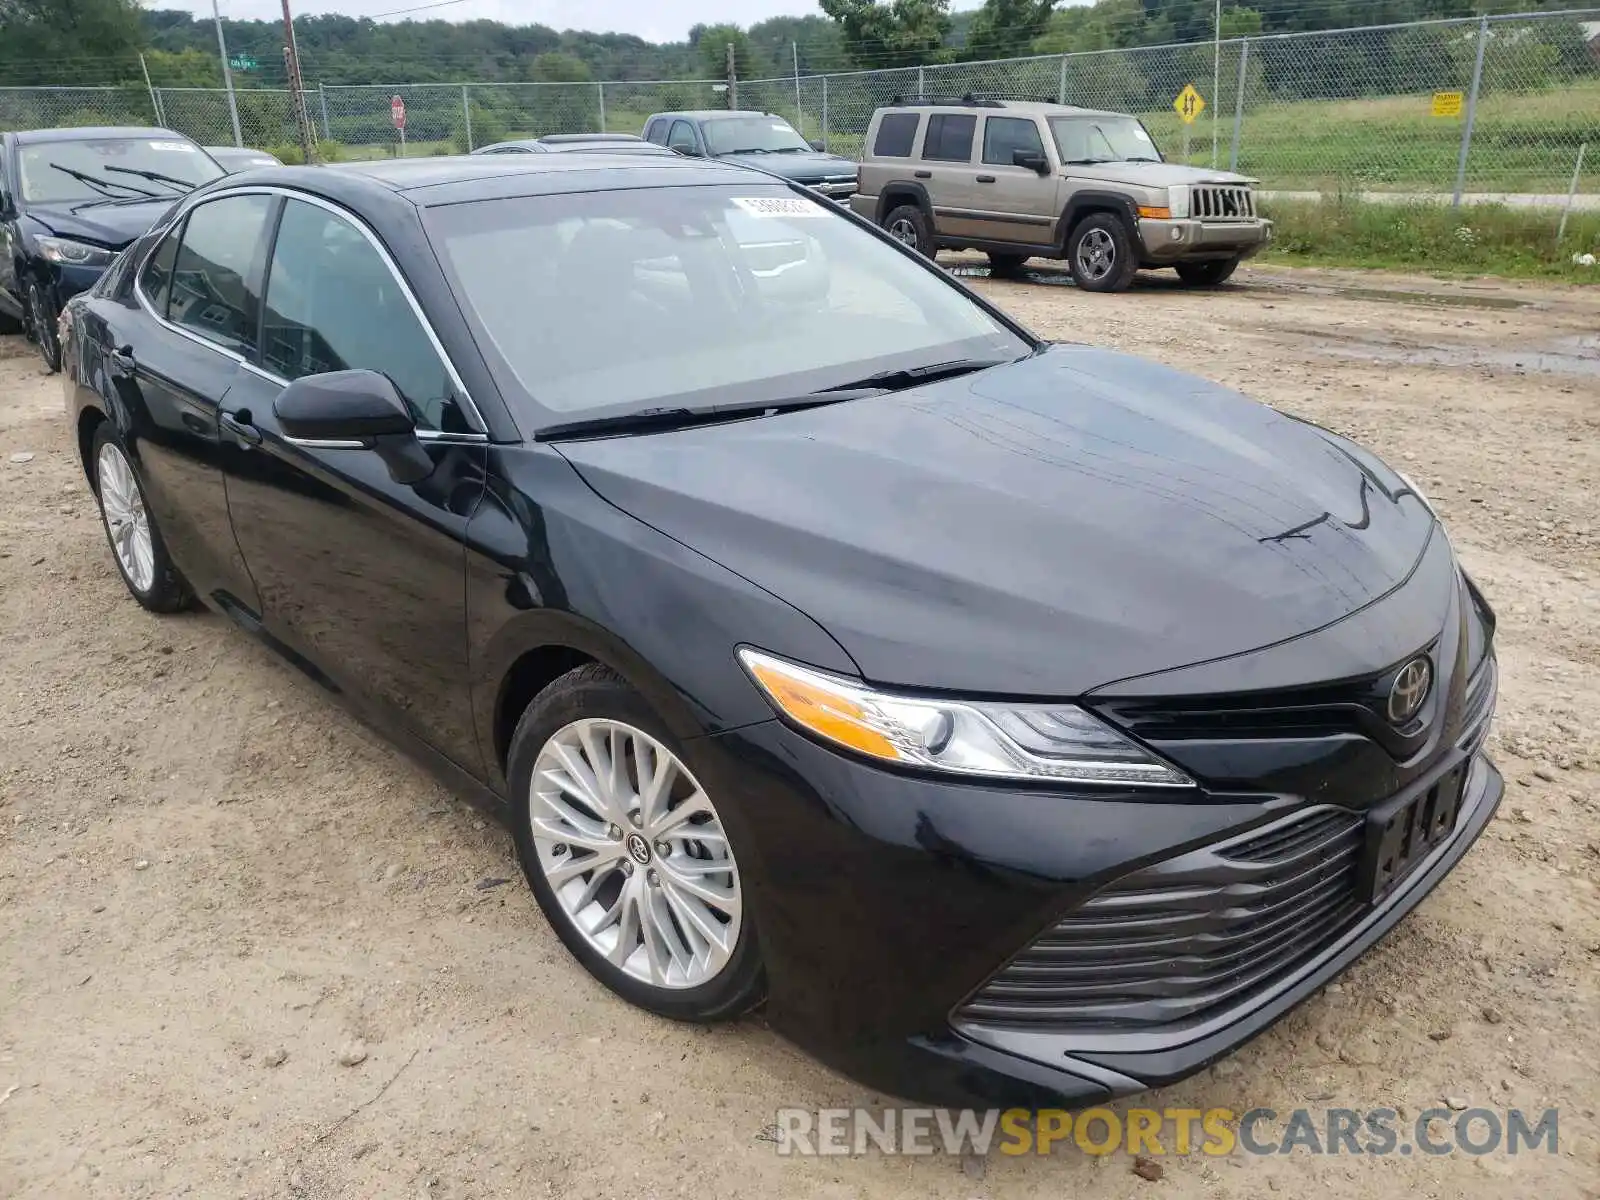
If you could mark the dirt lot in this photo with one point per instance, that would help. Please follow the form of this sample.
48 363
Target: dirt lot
212 881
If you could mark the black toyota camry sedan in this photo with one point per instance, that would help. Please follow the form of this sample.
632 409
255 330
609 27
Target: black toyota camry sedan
1021 722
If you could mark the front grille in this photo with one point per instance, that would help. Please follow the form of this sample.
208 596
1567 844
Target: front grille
1194 933
1219 202
840 190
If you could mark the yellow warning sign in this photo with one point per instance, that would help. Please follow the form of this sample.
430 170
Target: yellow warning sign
1190 104
1447 104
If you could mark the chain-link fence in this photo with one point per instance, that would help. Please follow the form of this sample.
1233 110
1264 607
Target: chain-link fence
1493 104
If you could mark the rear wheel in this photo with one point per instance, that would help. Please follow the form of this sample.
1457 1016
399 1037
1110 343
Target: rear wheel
627 853
1208 273
910 226
42 319
136 545
1006 264
1100 253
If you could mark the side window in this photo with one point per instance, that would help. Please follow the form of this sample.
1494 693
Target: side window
657 132
333 304
897 133
949 137
156 280
213 273
1002 136
682 138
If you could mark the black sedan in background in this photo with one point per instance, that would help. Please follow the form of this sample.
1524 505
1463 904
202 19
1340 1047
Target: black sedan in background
69 200
234 159
1023 722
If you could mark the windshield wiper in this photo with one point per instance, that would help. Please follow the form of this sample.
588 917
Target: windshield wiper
650 420
1088 162
905 377
95 181
1141 159
156 176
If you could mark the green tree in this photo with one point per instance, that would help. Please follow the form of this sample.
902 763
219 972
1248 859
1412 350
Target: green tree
557 67
102 38
895 33
1006 28
711 42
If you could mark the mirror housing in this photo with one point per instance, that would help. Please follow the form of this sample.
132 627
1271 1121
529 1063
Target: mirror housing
1031 159
816 144
354 410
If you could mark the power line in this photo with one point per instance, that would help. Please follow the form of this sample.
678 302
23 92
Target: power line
419 8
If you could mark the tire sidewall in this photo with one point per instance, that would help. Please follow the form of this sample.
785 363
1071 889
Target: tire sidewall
42 319
596 693
919 221
1125 263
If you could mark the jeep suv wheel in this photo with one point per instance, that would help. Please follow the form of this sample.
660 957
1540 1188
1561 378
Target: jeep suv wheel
1208 273
910 226
1100 253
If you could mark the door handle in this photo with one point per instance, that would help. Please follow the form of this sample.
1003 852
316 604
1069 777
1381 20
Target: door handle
923 174
122 360
985 178
237 425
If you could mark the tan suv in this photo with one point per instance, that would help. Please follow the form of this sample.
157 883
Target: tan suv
1024 179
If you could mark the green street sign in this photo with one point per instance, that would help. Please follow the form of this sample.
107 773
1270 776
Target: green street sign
242 62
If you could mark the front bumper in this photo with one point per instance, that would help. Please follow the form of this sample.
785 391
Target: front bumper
885 901
66 281
1184 239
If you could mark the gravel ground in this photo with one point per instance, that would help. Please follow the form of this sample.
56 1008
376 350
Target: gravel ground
217 890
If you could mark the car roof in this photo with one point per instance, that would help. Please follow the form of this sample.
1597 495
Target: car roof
91 133
557 139
711 114
460 178
1045 108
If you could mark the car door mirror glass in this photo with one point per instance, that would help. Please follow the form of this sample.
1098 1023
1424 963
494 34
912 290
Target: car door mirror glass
816 144
1031 159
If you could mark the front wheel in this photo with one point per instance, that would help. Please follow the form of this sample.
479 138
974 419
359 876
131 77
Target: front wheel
627 854
42 319
1208 273
1100 254
910 226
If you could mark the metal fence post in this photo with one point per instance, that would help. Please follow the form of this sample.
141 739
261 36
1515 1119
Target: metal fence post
466 114
1472 112
155 104
799 112
1061 83
922 83
1238 105
1572 189
602 89
322 97
825 114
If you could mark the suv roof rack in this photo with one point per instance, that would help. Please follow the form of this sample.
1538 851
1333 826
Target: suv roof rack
970 100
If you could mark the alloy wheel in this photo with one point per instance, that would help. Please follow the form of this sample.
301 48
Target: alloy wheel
635 854
122 504
1097 254
42 321
904 231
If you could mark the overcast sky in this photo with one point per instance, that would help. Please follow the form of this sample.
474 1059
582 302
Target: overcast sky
655 20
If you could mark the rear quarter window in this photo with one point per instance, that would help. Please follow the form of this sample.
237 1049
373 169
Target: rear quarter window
897 133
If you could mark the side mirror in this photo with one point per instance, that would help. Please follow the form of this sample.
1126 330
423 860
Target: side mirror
354 410
816 144
1031 159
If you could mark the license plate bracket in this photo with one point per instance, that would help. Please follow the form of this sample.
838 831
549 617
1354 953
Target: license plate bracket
1402 831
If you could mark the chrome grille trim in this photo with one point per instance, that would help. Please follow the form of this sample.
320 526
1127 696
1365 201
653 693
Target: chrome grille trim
1222 202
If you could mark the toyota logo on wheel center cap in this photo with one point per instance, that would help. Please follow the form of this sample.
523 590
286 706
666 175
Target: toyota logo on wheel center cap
639 849
1409 690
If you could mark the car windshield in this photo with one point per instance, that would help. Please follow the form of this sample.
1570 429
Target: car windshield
760 135
605 303
1103 139
112 169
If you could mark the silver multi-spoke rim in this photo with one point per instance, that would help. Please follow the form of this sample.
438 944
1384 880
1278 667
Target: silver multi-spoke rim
126 520
905 231
1097 252
635 853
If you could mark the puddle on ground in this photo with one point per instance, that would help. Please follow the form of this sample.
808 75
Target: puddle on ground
1578 355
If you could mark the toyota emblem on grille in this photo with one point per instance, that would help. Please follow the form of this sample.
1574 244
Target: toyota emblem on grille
1409 690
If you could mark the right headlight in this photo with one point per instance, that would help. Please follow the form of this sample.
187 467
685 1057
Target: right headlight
1040 742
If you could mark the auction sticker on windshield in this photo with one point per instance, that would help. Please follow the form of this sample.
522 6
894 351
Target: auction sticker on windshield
176 147
780 206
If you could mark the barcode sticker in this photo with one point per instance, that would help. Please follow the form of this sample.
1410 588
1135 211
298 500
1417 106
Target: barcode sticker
780 206
174 147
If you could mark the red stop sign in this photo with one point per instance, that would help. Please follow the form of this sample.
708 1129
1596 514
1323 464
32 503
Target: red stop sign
397 109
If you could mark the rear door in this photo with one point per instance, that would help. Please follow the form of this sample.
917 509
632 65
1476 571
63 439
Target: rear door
1023 204
947 172
361 575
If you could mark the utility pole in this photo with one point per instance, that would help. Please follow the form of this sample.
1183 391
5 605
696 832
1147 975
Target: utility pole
227 75
799 112
733 79
297 91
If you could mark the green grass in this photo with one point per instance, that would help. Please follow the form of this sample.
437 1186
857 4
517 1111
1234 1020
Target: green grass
1433 238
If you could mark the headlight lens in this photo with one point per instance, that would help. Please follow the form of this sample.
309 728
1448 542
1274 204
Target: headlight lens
1178 200
74 254
1044 742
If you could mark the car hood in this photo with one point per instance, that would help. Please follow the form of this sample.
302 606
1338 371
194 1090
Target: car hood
1142 174
802 168
1042 528
109 225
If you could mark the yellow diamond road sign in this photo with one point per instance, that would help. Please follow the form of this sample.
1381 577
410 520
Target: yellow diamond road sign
1190 104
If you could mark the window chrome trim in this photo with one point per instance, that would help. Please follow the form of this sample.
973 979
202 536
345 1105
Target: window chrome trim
324 443
463 396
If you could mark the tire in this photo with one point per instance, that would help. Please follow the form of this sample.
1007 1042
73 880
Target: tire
136 546
1209 273
634 883
42 317
910 226
1100 253
1006 264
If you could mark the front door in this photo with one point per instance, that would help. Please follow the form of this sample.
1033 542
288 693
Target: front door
1024 204
363 576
